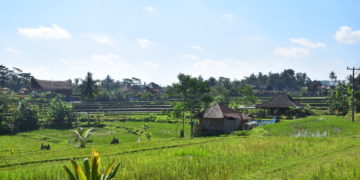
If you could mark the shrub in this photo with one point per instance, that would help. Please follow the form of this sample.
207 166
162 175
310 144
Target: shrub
60 114
26 117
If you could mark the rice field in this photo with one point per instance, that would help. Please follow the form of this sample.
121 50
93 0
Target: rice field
297 149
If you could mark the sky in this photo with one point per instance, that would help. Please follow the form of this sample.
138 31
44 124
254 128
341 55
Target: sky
157 40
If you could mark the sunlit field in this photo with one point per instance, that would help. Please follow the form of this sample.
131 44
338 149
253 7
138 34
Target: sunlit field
297 149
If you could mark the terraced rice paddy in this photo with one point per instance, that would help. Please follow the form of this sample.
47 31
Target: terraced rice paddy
268 152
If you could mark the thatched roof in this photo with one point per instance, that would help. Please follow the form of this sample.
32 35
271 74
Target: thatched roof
55 86
153 85
281 100
219 111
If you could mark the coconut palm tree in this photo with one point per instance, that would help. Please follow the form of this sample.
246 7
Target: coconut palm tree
81 135
89 87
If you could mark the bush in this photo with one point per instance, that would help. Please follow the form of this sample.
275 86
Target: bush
60 114
26 117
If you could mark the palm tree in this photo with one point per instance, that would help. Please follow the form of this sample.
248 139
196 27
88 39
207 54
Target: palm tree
81 135
89 88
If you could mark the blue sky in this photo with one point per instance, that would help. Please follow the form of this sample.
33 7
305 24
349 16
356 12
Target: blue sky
156 40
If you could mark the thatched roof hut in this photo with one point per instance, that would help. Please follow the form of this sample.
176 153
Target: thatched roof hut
221 119
62 87
280 101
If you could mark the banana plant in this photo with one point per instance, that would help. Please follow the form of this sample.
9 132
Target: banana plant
91 169
81 135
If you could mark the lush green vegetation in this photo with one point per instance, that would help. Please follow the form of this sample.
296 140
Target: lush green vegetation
267 152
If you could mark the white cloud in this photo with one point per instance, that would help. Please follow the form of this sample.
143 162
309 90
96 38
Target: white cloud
189 56
298 52
229 17
101 38
292 52
346 35
307 43
13 50
64 61
151 65
151 9
42 32
196 47
143 42
105 58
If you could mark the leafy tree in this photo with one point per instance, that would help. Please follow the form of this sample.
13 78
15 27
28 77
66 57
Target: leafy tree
60 114
192 92
81 135
333 78
108 83
248 97
89 88
14 79
220 94
26 117
339 98
6 123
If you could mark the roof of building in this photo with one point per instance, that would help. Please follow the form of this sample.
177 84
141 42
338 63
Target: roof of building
153 85
56 86
220 111
281 100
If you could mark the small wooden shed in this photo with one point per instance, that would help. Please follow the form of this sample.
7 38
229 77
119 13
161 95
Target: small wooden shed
220 119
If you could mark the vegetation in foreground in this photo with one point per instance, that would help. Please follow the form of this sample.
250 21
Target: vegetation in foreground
271 151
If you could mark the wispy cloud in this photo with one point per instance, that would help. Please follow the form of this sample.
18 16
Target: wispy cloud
101 38
42 32
64 61
229 17
151 65
298 52
105 58
348 36
151 9
13 50
189 56
307 43
196 47
143 42
292 52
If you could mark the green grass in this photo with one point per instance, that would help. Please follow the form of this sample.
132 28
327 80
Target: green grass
274 151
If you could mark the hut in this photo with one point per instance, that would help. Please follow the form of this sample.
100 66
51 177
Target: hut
219 119
5 90
279 104
61 87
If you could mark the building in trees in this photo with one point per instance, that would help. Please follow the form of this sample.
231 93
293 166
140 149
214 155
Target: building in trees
279 104
219 119
61 87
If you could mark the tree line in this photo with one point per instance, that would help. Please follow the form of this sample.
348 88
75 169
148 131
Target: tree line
14 78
